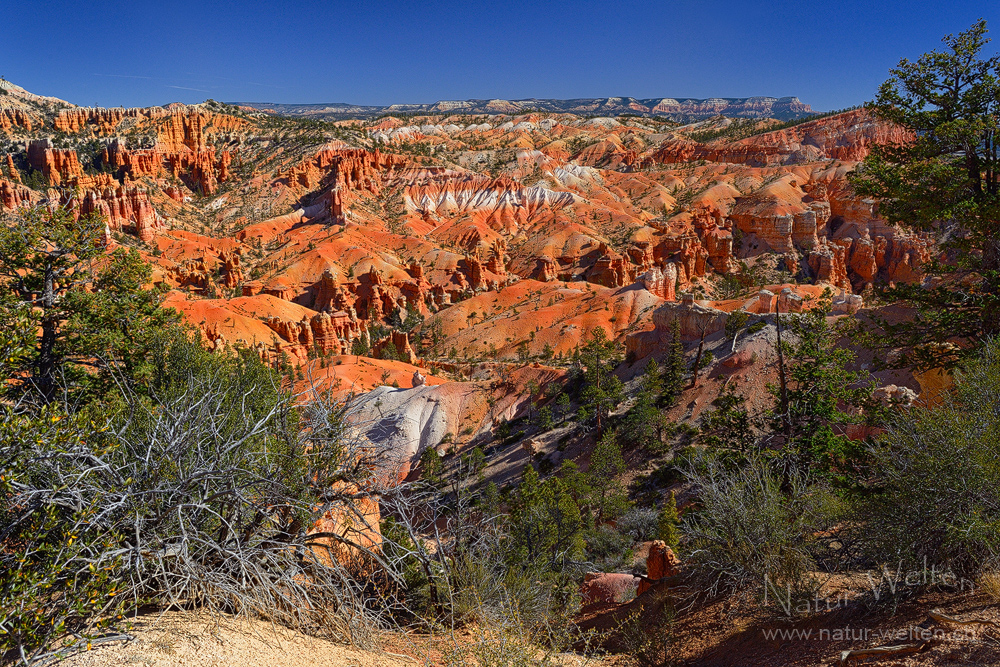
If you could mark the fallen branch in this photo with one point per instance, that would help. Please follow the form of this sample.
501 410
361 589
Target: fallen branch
936 615
881 651
933 616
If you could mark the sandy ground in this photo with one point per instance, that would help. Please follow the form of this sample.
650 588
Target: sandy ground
200 641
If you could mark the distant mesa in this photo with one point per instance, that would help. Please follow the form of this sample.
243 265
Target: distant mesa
686 109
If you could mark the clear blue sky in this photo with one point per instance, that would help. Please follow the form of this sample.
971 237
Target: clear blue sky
831 54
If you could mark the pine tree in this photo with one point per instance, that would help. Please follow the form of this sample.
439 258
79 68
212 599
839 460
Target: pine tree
645 424
819 386
668 523
602 389
545 522
93 316
609 499
674 368
729 424
945 179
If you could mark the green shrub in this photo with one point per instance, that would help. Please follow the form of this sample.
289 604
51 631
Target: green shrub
756 527
201 494
936 471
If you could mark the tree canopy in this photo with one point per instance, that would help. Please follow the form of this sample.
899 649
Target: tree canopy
943 180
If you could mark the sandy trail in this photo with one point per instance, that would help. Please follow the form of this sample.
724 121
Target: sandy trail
202 641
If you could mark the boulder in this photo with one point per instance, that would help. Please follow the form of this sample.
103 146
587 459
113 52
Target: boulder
608 587
660 563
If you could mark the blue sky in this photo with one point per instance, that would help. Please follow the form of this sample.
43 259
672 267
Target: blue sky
830 54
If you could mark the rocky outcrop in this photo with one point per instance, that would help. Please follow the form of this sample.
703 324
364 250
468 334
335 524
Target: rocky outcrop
399 343
781 222
182 150
848 136
342 169
325 333
693 320
124 208
610 269
608 587
546 269
895 395
828 264
877 251
661 282
15 119
846 304
661 562
12 173
103 121
60 166
502 203
405 422
13 195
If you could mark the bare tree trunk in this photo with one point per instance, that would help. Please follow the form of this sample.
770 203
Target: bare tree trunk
46 365
697 359
785 417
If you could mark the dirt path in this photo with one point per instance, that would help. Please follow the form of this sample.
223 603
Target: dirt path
200 641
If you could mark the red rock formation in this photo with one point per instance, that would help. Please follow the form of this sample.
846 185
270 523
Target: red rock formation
607 587
232 274
660 563
174 193
661 282
782 223
906 256
13 195
719 245
182 148
336 206
401 342
828 264
864 264
124 208
610 269
60 166
327 333
546 269
11 119
342 169
642 255
12 171
847 136
103 121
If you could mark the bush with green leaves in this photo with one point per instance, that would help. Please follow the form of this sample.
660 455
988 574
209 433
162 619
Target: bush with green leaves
63 566
639 523
935 471
757 525
204 491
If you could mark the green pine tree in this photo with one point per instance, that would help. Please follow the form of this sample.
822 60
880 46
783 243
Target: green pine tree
608 497
668 523
944 179
602 389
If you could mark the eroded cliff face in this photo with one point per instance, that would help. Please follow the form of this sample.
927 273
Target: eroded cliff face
503 235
